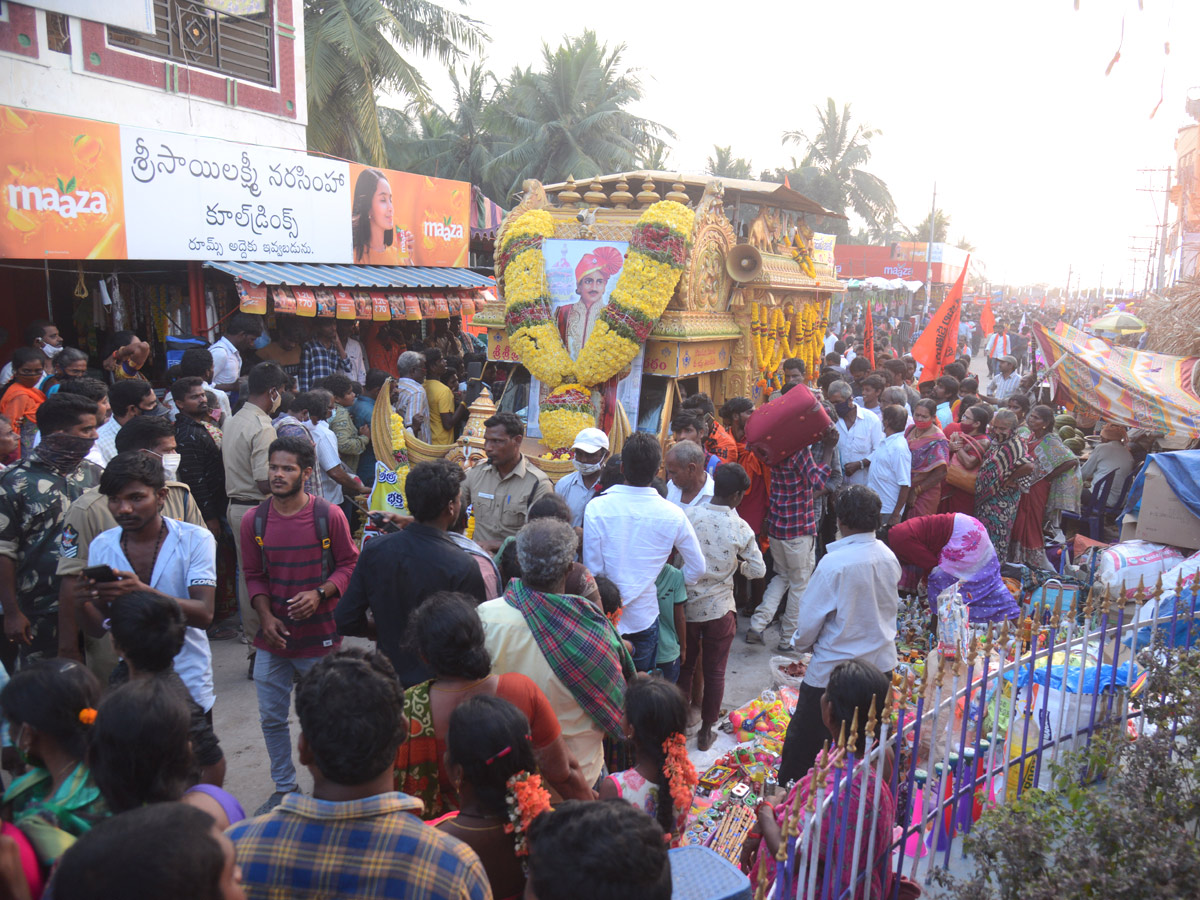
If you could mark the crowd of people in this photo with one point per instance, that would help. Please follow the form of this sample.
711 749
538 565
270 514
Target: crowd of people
541 653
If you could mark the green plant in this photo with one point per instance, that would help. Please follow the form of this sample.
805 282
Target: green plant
1132 831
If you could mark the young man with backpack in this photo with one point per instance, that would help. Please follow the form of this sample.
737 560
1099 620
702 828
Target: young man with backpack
297 554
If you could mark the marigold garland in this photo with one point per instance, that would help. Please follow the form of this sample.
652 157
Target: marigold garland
563 414
681 774
527 800
653 266
87 715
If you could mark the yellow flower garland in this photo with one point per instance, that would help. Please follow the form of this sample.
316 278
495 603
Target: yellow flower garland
642 292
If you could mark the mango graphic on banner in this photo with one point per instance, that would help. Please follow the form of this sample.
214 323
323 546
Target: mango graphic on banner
252 298
60 187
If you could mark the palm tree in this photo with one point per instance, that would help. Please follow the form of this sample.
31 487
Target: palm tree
355 49
654 157
724 165
572 117
941 229
833 166
460 144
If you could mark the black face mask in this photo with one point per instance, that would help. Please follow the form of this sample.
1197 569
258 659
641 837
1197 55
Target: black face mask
843 408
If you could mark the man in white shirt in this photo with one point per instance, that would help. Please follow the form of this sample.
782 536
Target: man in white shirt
335 479
629 533
240 334
848 613
889 468
150 552
412 403
830 339
689 483
588 453
1005 384
354 351
998 346
859 431
128 398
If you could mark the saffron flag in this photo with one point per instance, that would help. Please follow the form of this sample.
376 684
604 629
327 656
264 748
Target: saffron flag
987 321
936 346
869 336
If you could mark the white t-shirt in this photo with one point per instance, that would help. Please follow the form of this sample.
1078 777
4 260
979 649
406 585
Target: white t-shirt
187 558
227 362
891 467
675 494
325 443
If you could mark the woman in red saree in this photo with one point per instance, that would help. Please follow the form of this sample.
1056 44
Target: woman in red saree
930 456
968 445
1051 460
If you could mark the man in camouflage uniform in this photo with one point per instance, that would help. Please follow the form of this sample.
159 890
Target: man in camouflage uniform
34 496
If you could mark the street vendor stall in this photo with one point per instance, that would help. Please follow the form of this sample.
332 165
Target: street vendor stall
610 299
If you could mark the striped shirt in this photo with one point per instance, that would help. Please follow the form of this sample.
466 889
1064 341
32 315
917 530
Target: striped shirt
375 847
293 564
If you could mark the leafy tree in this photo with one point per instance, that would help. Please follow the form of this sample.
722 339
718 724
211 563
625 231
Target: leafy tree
723 164
572 117
963 244
832 171
356 49
656 157
459 144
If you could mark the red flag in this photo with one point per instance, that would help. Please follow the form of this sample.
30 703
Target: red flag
869 336
986 320
937 345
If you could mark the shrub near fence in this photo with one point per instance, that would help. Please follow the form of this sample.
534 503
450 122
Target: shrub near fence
979 730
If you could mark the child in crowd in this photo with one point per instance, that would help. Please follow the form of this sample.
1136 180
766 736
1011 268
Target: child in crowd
50 706
663 779
855 689
489 753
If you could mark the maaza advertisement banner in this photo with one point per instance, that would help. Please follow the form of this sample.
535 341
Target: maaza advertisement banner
78 189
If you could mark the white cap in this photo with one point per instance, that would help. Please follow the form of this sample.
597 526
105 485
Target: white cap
590 440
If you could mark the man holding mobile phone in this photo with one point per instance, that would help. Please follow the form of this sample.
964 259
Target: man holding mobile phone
149 551
298 555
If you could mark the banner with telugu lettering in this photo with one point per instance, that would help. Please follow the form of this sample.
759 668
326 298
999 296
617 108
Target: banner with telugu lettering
937 345
79 189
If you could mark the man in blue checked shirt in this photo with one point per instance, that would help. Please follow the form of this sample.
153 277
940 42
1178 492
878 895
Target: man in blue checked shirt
322 356
355 836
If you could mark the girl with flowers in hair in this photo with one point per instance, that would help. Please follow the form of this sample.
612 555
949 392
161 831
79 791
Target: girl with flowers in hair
655 721
489 754
49 708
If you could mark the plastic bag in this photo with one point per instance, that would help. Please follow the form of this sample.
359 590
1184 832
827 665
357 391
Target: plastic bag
953 633
781 678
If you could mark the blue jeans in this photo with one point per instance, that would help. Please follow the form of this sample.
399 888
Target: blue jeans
645 647
670 670
273 681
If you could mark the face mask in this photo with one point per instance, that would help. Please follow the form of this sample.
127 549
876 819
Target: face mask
587 468
51 351
63 452
170 463
843 407
276 402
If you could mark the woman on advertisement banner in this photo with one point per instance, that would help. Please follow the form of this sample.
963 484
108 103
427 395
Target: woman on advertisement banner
372 215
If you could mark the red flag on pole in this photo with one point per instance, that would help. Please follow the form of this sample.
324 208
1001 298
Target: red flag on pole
787 183
869 336
937 345
987 321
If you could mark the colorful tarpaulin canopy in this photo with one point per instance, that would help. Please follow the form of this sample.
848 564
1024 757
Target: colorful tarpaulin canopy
1130 387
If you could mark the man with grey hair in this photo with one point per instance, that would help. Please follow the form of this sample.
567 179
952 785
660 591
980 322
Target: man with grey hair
563 643
412 403
896 396
859 432
689 483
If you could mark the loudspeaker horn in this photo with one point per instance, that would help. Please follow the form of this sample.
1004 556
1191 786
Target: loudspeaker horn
743 263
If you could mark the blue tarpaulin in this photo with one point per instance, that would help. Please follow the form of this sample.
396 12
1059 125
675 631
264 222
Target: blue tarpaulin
1181 468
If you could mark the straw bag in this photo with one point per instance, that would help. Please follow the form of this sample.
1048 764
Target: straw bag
958 477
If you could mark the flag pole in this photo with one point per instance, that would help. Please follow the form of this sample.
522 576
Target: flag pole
929 252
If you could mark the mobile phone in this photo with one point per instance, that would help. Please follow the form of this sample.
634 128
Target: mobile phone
100 573
381 523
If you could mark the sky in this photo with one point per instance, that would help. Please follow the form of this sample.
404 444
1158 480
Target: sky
1004 104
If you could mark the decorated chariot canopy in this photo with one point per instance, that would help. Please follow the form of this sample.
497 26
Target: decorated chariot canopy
647 273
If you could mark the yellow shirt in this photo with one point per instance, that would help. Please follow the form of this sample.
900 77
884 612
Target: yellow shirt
441 400
513 648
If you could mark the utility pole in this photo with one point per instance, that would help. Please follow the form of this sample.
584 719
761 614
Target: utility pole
1165 224
929 251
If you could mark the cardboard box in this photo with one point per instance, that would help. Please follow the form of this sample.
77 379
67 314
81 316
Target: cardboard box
1163 518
